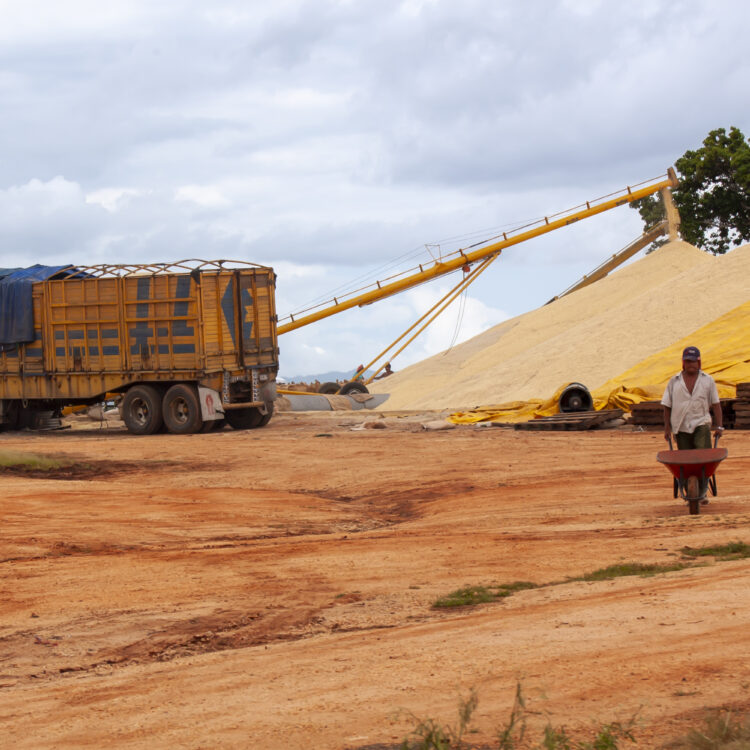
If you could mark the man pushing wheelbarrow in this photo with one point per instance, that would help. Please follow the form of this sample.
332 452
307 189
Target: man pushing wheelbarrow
689 399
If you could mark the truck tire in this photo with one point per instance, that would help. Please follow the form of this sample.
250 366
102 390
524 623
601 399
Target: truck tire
141 410
12 419
353 386
213 424
328 388
266 418
182 409
243 419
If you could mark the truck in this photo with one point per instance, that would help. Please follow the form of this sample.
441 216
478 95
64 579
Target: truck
185 346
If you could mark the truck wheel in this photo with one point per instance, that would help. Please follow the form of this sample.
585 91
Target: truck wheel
182 409
266 418
12 419
329 388
353 386
141 410
243 419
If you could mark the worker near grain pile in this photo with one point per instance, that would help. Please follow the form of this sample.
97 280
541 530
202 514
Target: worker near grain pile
386 372
689 399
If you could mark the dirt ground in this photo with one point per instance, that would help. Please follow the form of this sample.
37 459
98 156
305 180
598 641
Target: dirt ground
273 588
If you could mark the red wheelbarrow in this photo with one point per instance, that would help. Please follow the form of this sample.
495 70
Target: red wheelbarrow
693 469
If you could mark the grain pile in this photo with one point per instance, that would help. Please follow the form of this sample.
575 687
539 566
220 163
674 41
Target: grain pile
589 336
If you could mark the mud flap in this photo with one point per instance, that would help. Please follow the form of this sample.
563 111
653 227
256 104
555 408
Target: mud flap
211 407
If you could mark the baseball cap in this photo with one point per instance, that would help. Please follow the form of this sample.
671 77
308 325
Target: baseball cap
691 353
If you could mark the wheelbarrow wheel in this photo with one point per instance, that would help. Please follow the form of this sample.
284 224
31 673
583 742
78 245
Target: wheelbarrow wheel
693 496
712 485
675 488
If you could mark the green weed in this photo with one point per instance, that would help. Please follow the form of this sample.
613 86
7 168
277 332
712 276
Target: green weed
720 731
471 595
12 459
731 551
629 569
607 736
430 735
555 739
515 729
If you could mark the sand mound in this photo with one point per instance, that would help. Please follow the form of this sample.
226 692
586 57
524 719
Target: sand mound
589 336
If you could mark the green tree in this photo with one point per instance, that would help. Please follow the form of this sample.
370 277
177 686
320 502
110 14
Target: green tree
713 196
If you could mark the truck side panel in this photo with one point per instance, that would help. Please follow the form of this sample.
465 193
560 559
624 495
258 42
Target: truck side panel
258 319
83 326
162 323
101 334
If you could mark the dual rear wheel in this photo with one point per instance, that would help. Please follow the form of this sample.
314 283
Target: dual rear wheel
146 409
181 410
142 410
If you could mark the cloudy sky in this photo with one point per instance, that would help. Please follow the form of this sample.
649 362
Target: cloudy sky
330 138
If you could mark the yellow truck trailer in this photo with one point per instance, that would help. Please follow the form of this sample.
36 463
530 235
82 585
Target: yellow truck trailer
189 345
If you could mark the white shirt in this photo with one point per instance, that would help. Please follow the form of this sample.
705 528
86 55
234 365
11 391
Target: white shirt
690 410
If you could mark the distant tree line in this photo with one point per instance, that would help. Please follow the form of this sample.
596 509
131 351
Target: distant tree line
713 196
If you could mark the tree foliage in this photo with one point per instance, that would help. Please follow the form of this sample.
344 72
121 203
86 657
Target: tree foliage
713 196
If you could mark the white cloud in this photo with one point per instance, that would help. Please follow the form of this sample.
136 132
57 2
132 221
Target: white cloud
209 196
112 199
329 138
465 318
35 22
47 195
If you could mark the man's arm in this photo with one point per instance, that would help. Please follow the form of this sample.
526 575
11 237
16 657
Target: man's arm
718 419
667 422
716 409
666 402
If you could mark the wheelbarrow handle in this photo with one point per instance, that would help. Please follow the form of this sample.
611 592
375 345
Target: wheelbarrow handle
670 443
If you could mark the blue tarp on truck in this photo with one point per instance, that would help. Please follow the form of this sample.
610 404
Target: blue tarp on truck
16 306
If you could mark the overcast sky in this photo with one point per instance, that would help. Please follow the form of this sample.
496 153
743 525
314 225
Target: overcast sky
329 138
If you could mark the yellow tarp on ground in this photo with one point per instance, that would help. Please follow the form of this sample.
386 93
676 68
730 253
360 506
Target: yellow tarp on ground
725 352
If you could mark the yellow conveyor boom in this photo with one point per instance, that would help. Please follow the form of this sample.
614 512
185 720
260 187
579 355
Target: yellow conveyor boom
461 258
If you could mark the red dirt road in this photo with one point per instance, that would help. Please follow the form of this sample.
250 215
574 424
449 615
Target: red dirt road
273 588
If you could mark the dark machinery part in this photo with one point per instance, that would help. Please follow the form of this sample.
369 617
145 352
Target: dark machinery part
575 397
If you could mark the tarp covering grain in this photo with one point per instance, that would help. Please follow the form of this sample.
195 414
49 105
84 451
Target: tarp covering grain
16 310
591 337
725 354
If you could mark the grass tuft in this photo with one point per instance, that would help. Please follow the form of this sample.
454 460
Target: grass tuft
471 595
555 738
515 728
629 569
720 731
608 736
731 551
430 735
12 459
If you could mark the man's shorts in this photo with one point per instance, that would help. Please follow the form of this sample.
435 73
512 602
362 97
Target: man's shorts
699 438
